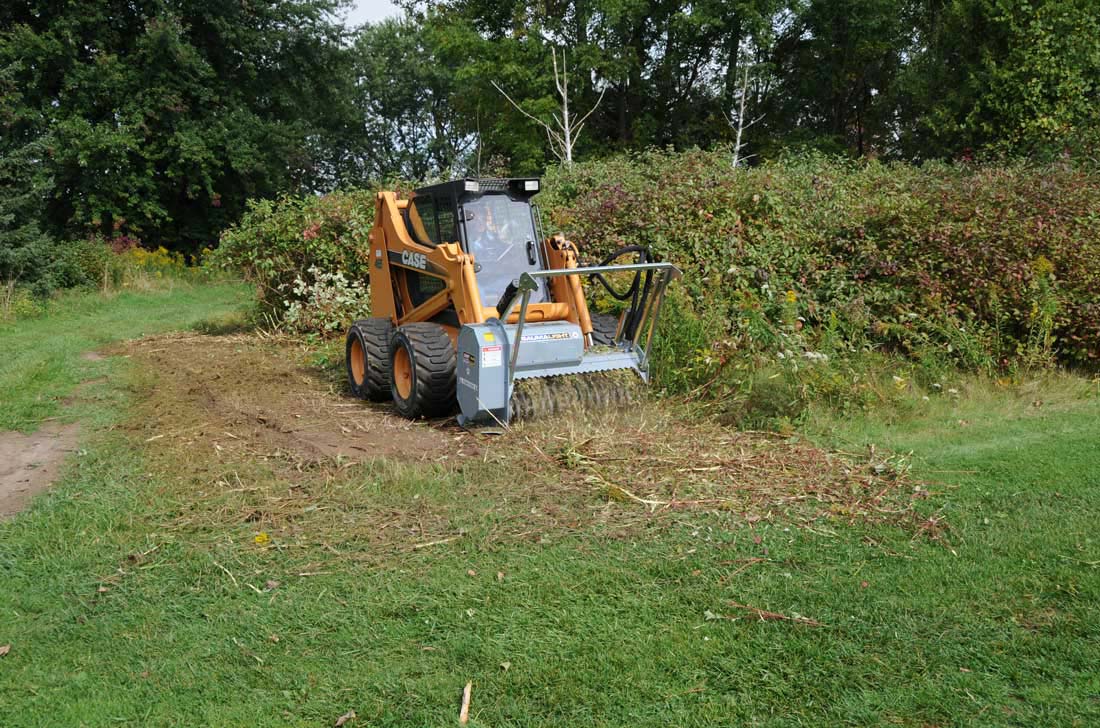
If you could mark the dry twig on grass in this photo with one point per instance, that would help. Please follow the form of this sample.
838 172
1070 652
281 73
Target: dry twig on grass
747 563
765 615
464 711
440 542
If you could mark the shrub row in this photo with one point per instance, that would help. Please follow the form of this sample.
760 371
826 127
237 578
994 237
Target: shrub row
99 263
990 266
805 279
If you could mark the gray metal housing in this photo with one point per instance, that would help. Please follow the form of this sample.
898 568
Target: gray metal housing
486 377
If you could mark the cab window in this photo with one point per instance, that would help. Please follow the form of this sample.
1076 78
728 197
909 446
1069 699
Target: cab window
445 215
422 220
500 234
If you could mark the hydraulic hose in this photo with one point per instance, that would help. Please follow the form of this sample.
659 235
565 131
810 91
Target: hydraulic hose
638 294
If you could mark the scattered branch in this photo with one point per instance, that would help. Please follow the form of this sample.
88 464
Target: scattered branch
765 615
229 574
464 711
440 542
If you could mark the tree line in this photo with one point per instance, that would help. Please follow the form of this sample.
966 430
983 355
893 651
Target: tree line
159 119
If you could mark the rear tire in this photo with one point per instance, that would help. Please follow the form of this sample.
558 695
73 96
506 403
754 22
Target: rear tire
604 326
367 358
422 371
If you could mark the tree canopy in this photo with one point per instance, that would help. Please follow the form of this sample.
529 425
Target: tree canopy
161 118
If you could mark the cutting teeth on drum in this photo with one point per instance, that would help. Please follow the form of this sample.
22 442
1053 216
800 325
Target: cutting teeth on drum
542 397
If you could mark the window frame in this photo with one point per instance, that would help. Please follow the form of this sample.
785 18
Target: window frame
430 242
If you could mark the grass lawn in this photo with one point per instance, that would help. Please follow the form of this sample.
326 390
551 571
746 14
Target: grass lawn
42 363
116 615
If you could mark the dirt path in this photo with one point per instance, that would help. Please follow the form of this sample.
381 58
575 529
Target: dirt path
252 421
226 395
30 463
245 393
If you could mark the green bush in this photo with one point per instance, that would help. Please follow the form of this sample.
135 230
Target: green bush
981 266
278 242
89 263
818 280
18 302
50 264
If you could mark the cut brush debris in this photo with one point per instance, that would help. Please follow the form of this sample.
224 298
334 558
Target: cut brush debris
256 438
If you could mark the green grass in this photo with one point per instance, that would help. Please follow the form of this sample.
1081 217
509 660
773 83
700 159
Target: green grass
115 616
42 360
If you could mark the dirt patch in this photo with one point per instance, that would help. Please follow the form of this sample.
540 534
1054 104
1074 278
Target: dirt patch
92 356
246 435
259 397
30 463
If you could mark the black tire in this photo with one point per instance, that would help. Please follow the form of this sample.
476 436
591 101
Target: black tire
367 359
604 326
429 390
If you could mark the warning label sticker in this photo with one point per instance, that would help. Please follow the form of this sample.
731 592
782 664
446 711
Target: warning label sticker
492 356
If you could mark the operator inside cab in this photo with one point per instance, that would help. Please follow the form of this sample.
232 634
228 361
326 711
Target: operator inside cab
500 234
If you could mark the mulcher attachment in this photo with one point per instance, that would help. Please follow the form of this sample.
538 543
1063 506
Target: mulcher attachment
523 370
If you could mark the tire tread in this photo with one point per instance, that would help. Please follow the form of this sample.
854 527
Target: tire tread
433 362
604 326
375 336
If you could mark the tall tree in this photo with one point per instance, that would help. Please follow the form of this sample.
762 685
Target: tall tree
406 123
166 115
835 64
1016 77
663 67
24 188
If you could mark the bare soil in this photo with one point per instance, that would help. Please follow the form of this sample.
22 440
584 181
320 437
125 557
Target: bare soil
30 463
247 393
250 431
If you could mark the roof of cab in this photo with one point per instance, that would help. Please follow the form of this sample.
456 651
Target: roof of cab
469 188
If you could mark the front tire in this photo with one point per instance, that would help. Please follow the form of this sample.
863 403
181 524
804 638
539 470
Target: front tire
604 327
367 358
422 371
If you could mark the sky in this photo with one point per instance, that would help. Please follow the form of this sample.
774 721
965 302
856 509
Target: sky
371 11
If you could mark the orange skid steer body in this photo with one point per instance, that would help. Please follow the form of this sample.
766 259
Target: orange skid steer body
469 301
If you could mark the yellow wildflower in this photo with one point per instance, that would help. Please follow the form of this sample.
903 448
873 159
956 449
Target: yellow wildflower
1042 266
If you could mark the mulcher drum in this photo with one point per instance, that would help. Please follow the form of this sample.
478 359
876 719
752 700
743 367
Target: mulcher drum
539 397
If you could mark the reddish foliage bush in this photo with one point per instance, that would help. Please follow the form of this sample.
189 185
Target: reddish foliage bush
277 243
988 265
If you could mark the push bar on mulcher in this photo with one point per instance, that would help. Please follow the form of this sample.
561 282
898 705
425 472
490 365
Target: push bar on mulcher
650 313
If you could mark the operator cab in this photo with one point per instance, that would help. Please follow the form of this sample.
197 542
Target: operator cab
493 220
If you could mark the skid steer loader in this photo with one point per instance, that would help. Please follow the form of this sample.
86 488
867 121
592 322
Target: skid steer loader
472 306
